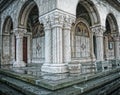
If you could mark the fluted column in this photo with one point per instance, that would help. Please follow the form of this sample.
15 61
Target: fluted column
117 55
19 33
99 30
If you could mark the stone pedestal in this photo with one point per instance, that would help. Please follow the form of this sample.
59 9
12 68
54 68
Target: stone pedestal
19 33
75 68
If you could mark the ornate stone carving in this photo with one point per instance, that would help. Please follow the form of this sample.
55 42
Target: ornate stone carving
98 30
19 32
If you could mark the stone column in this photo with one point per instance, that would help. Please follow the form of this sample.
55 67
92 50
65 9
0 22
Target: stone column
99 30
106 57
67 39
19 33
57 46
117 55
48 44
13 48
54 44
29 53
92 54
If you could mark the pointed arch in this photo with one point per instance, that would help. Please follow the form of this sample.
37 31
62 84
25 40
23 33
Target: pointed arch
7 25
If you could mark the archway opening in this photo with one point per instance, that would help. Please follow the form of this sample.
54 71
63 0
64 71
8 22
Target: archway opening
33 40
38 36
8 43
110 38
86 13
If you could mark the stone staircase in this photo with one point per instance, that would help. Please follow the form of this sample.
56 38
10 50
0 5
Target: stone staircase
13 83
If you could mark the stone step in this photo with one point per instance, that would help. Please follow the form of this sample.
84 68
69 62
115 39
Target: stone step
76 88
23 87
7 90
54 85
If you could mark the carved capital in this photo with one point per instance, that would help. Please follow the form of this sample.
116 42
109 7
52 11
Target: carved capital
68 20
19 32
46 22
57 18
98 30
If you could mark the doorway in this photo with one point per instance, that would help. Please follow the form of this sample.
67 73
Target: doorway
25 49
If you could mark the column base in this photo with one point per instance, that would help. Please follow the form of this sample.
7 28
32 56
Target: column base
19 64
54 68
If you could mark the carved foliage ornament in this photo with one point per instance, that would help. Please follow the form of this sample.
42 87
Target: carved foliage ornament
38 30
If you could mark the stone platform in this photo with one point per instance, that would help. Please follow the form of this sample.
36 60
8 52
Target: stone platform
31 81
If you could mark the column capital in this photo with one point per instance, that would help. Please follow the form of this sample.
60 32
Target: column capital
19 32
46 22
57 18
98 30
68 20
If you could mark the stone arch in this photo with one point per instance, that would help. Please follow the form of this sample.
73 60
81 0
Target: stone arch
33 39
8 42
7 25
25 11
111 35
82 41
88 12
113 22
